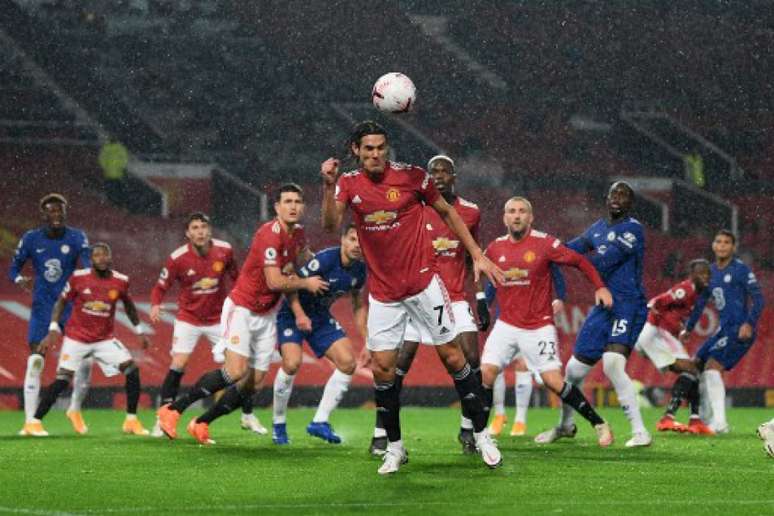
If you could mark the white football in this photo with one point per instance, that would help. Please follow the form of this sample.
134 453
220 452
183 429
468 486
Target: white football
394 92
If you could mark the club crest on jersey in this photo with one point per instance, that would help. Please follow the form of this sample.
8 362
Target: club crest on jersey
217 266
113 294
442 244
393 194
529 256
234 339
727 278
611 236
380 217
65 248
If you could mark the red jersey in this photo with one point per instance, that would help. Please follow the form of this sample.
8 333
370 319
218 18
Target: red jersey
94 304
669 309
525 296
450 254
389 218
272 246
201 278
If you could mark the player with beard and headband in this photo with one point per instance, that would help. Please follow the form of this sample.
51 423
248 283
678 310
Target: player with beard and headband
200 268
248 320
94 294
54 251
616 248
526 321
387 202
453 264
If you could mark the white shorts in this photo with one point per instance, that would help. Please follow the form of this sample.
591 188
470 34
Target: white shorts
660 346
430 310
186 336
249 334
538 347
463 322
109 354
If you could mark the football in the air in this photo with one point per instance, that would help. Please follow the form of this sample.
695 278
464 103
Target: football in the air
394 92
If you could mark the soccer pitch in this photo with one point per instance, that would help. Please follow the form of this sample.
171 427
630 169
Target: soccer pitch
106 472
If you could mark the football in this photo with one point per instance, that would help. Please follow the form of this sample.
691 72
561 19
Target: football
394 92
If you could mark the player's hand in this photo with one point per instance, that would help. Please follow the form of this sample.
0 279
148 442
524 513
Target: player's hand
603 297
745 331
684 336
304 323
47 342
155 313
484 319
315 285
26 283
492 271
144 341
557 305
329 171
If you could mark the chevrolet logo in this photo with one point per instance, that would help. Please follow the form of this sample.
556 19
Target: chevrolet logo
97 306
380 217
516 274
206 283
444 244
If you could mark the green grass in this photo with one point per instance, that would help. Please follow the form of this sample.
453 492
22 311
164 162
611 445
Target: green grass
109 473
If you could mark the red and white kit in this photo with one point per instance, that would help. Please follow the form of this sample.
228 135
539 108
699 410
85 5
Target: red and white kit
526 318
202 292
248 320
658 339
89 331
402 278
450 260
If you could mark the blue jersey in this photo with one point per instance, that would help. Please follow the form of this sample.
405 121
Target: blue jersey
53 259
618 255
731 289
341 280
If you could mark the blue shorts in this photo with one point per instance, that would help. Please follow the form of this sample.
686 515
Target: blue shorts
620 324
325 331
40 319
725 347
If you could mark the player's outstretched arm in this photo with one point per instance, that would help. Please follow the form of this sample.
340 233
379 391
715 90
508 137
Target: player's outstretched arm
564 255
278 282
481 264
332 210
131 313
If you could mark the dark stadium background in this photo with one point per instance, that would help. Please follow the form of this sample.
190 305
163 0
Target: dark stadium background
218 102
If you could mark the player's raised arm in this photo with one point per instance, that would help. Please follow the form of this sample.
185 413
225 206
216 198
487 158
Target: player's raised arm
332 208
480 262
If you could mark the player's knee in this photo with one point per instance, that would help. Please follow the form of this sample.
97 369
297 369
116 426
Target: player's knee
291 365
454 362
553 380
235 366
613 364
346 365
489 373
406 355
179 361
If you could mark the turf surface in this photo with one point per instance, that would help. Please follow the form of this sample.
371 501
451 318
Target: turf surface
106 472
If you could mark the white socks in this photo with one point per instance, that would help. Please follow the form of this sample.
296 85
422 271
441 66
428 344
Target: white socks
81 382
335 387
574 373
523 390
35 365
716 394
283 388
614 365
498 395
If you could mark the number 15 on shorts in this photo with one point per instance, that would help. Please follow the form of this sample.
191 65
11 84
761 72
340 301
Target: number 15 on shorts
619 327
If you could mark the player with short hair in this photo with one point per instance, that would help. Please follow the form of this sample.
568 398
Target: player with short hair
616 248
659 342
94 294
453 267
307 317
54 250
526 320
738 299
386 200
201 268
248 319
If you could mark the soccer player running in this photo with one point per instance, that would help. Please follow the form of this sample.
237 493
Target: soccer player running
304 316
200 268
248 320
609 334
94 294
54 250
453 264
525 323
386 200
732 286
659 341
